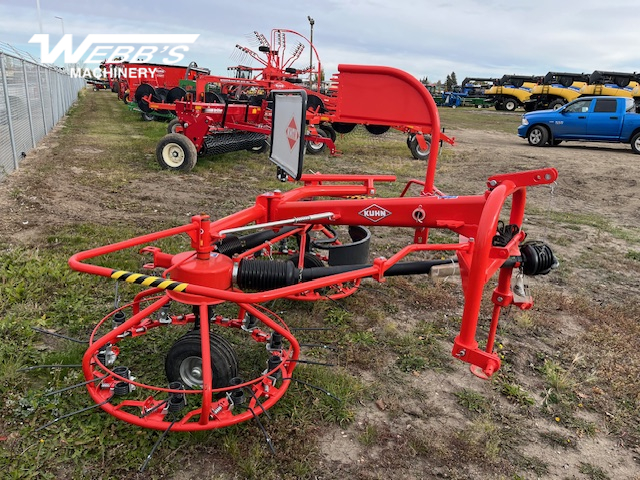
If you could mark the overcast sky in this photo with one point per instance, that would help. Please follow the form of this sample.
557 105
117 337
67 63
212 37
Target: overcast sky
486 38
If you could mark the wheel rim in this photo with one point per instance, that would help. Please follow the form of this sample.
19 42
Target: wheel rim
191 372
173 155
536 136
315 146
637 144
423 151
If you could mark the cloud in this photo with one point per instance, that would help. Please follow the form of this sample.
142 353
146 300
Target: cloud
471 37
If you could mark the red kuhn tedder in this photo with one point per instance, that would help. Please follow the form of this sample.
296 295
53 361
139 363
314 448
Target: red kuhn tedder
286 246
234 113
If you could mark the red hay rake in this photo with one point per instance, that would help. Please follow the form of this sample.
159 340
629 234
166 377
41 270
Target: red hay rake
246 259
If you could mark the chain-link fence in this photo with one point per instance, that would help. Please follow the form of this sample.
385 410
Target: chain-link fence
33 98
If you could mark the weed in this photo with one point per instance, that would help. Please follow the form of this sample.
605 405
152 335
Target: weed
369 435
472 401
516 394
593 472
633 255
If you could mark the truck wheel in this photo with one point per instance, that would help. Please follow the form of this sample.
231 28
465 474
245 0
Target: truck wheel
556 104
510 105
538 136
176 152
416 151
635 143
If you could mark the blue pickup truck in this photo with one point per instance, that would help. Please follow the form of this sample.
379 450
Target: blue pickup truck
597 119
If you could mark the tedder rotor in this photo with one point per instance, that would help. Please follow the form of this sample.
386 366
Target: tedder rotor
286 246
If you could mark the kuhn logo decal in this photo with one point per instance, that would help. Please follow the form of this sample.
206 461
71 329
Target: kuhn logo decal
292 133
375 213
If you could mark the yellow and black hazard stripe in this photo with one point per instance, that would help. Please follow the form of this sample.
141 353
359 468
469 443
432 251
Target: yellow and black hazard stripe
148 280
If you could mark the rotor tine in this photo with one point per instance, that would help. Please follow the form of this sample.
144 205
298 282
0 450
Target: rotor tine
75 386
155 446
259 403
316 387
264 431
35 367
313 363
59 335
73 413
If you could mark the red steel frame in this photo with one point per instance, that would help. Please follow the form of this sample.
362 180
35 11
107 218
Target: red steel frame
167 76
204 277
356 99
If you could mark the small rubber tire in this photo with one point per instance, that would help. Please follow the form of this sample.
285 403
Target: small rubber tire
416 151
175 126
315 148
329 129
635 143
377 129
147 117
183 362
176 152
343 128
259 148
538 136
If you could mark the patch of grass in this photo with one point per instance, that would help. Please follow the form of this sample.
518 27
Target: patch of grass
421 349
633 255
593 472
369 435
472 401
557 440
516 394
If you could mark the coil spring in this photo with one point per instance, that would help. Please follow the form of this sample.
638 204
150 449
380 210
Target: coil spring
274 362
177 400
122 388
237 395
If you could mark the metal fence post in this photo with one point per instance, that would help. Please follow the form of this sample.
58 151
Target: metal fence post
55 90
5 89
44 114
26 91
53 115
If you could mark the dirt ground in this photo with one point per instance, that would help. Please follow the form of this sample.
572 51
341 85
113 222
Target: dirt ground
599 180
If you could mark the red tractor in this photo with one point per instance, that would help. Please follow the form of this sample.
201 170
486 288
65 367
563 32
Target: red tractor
287 245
